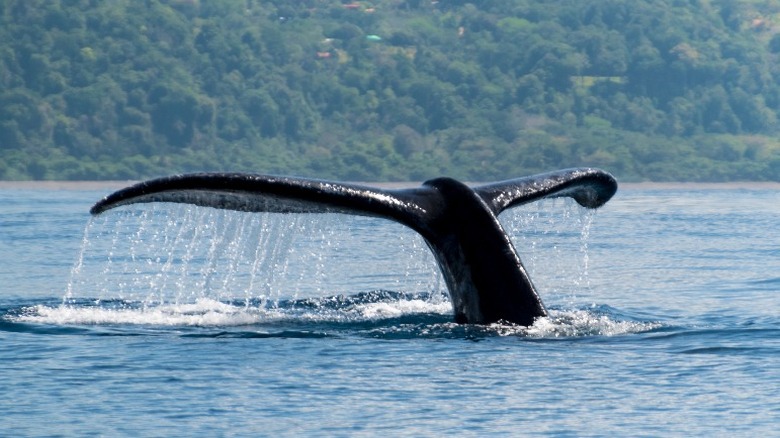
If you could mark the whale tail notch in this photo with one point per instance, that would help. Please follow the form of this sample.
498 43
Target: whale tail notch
485 277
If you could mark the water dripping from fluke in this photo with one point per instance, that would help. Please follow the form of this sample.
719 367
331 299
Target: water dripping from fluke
183 266
191 266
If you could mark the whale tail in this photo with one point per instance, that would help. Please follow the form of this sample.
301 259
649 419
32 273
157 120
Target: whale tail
484 275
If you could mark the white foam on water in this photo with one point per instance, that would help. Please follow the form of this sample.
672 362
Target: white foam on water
209 313
203 313
575 323
373 311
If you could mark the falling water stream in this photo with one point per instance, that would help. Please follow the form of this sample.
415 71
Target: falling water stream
180 265
175 257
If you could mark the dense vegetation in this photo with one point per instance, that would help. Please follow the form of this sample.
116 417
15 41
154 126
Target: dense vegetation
390 89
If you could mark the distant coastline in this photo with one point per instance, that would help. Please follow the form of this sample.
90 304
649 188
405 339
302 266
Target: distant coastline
114 185
660 91
733 185
63 185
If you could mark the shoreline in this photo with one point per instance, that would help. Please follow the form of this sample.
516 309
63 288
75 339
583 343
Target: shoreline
735 185
64 185
115 185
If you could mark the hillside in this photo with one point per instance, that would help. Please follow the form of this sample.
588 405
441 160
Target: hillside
390 89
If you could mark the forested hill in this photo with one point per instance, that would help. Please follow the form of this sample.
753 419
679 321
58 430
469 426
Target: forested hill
390 89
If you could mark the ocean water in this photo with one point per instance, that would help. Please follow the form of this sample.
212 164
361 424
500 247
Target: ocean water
170 320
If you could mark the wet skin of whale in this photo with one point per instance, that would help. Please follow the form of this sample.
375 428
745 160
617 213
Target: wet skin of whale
485 277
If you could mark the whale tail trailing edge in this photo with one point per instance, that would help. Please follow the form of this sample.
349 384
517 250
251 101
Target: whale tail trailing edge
591 188
485 277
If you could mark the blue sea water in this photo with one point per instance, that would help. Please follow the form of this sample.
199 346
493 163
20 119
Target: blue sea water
168 320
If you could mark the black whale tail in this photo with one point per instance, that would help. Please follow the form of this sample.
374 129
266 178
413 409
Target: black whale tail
485 277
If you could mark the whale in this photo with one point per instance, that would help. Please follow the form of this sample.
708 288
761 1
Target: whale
484 275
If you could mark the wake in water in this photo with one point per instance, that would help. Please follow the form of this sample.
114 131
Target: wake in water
183 266
205 312
380 312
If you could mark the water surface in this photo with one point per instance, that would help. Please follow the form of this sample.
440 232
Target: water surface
169 320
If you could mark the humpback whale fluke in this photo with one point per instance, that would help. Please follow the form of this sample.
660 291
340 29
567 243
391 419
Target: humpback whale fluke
485 277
